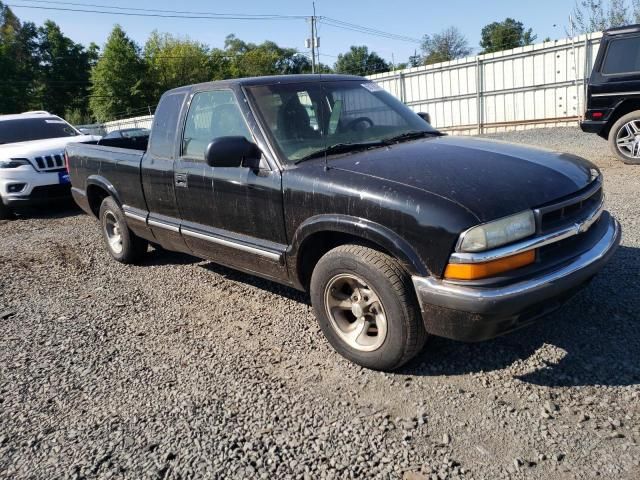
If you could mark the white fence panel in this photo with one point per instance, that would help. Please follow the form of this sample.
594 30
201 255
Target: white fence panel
136 122
534 86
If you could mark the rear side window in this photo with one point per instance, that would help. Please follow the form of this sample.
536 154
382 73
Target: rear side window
212 115
165 124
623 56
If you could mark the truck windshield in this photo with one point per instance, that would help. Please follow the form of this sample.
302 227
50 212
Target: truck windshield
307 119
27 129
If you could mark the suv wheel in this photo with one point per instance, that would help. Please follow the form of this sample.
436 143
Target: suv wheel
366 307
624 138
5 212
122 243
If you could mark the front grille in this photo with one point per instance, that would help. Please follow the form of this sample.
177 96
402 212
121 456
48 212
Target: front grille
50 163
570 211
50 192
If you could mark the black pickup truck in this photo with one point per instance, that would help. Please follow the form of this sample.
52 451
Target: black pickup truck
613 93
330 184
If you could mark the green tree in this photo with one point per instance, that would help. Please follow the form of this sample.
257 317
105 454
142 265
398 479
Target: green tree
635 11
174 62
498 36
18 62
415 60
596 15
63 74
118 79
242 59
445 46
617 16
359 61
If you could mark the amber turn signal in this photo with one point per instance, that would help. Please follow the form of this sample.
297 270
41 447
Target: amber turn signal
475 271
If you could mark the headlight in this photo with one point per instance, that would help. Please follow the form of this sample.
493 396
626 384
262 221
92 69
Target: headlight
14 163
497 233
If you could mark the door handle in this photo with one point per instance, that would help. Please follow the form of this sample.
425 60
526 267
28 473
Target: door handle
181 180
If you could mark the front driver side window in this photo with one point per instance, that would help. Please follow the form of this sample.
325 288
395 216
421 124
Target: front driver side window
212 115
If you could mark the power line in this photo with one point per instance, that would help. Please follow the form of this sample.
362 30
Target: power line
159 13
156 15
331 22
371 30
185 12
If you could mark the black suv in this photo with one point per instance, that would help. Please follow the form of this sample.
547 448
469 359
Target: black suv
613 94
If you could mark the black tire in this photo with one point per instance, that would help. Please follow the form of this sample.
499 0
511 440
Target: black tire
5 212
613 136
405 334
131 247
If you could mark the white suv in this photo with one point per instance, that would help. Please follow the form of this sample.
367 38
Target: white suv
32 166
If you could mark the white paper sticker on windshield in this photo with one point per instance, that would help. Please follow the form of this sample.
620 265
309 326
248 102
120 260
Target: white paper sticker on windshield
55 121
372 87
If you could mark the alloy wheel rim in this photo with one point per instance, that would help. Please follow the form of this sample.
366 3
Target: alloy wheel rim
113 232
628 139
355 312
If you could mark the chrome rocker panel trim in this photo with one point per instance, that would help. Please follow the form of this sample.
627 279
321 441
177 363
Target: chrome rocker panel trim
130 212
276 257
155 223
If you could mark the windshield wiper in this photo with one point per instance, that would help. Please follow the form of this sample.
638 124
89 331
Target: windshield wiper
342 148
411 136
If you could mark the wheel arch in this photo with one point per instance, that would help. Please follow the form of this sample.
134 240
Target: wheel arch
319 234
99 188
623 108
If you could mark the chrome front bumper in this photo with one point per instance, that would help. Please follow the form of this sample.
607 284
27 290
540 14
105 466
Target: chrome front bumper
474 313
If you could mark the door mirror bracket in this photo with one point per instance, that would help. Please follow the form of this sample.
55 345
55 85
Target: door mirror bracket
425 116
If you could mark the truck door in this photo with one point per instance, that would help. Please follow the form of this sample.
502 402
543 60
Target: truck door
232 215
157 173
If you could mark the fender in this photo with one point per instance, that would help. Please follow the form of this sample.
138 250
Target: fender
358 227
83 199
100 181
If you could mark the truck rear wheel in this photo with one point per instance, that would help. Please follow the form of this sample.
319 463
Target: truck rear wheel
123 245
366 307
624 138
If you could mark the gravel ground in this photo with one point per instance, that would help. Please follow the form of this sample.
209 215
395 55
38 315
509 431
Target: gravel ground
179 368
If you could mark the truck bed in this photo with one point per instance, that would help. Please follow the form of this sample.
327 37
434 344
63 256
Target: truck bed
94 164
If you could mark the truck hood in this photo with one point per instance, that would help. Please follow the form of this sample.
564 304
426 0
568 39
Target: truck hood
41 147
490 179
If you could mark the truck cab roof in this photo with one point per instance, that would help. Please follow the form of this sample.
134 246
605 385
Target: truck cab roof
271 80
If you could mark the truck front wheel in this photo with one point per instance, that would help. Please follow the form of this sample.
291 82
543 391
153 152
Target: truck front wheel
122 243
624 138
366 307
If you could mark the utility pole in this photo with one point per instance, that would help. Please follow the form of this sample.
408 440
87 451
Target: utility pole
314 41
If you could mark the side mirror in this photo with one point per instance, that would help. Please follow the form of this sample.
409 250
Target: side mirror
425 116
233 152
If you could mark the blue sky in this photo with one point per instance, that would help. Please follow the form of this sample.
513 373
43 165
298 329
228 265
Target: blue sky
411 18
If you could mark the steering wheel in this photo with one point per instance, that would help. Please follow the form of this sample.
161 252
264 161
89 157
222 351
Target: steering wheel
353 124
